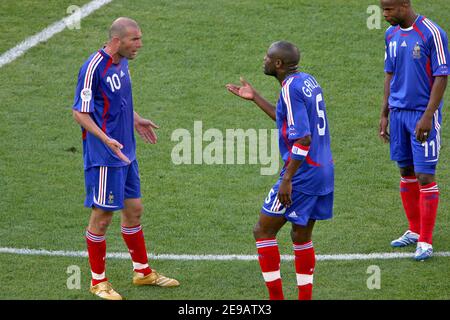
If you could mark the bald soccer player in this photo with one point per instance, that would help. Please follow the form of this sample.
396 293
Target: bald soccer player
304 191
416 67
104 108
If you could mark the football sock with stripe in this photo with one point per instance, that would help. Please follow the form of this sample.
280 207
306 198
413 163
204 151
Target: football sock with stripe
410 194
305 261
429 200
134 239
269 261
96 246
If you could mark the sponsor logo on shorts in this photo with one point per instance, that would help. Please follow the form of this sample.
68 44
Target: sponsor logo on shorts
293 215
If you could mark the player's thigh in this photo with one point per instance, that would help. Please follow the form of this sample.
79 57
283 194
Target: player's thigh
104 188
132 181
399 141
426 154
268 226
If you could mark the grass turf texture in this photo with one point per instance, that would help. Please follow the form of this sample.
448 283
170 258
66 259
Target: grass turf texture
191 50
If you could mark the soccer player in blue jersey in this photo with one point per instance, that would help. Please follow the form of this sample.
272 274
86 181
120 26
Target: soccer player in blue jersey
103 107
416 67
304 190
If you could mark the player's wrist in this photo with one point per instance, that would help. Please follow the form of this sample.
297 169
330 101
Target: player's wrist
428 114
106 140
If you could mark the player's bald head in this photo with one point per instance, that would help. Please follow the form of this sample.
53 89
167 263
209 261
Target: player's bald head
397 12
287 52
121 26
395 3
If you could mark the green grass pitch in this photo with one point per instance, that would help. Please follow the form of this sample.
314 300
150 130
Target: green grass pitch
191 50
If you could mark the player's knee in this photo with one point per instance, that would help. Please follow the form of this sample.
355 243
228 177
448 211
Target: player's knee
301 235
137 211
407 171
425 179
99 226
263 233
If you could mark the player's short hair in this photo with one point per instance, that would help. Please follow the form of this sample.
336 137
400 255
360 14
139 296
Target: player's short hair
120 26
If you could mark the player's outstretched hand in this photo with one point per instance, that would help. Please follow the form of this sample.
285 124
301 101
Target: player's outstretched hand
383 132
116 147
246 91
144 128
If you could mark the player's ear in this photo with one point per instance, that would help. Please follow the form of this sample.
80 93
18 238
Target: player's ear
278 63
115 40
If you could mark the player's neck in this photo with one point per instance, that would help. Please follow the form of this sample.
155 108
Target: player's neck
112 53
283 76
409 21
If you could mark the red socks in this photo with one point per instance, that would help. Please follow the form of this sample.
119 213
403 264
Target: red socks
409 192
96 246
429 200
269 260
305 261
421 204
134 239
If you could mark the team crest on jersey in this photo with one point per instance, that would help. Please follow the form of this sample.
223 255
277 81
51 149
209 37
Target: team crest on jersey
86 94
416 51
443 69
292 130
110 198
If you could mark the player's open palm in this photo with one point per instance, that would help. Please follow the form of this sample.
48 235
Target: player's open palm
144 128
116 147
246 91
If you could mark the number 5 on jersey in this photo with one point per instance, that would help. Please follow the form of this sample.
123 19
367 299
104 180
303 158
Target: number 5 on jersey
321 115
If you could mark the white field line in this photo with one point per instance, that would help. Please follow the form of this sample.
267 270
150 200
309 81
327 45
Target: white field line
13 53
211 257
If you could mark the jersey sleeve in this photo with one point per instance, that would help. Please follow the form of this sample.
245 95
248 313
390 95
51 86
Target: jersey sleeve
297 114
439 53
88 81
388 67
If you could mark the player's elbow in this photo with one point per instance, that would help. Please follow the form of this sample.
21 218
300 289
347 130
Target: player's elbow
76 115
444 81
305 141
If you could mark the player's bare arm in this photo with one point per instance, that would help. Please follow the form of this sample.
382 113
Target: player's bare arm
424 125
85 120
285 190
247 92
144 127
384 117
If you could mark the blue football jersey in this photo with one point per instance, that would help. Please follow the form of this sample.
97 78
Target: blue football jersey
301 112
104 91
415 56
